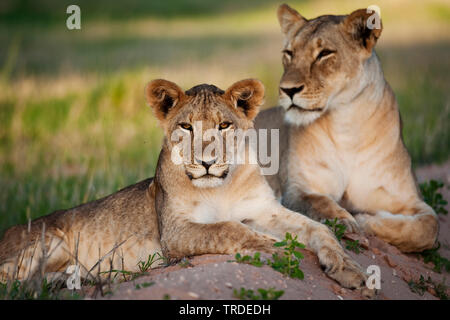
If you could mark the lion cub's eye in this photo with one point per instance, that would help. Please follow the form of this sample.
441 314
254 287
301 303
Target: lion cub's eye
186 126
288 53
224 125
324 53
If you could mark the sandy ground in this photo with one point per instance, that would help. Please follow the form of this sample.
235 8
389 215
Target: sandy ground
215 277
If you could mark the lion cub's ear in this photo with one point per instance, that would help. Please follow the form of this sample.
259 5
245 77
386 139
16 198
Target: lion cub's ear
363 27
246 95
163 96
288 17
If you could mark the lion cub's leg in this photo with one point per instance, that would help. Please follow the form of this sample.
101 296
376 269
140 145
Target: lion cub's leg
319 207
185 238
317 237
41 254
409 233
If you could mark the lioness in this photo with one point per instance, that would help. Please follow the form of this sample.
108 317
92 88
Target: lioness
207 205
342 152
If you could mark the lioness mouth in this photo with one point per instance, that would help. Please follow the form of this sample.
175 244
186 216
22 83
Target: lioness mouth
303 109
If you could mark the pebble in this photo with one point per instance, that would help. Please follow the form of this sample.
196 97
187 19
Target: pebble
193 295
431 291
228 285
336 288
339 297
376 251
390 261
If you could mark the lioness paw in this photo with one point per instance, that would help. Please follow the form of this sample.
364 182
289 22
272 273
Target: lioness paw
350 223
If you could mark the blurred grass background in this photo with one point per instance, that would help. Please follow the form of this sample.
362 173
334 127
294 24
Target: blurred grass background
74 125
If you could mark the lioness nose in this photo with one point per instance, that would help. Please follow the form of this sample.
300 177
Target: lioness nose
292 91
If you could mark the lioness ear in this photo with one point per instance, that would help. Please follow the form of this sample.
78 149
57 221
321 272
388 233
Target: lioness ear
289 17
163 96
246 95
363 26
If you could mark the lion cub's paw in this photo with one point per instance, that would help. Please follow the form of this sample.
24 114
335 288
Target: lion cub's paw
261 243
340 267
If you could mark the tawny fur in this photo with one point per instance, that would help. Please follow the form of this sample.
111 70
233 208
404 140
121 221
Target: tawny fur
175 216
348 160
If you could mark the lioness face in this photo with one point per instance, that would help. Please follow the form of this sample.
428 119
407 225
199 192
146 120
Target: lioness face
323 61
202 118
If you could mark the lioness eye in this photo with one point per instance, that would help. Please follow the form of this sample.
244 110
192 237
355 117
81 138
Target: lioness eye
224 125
324 53
186 126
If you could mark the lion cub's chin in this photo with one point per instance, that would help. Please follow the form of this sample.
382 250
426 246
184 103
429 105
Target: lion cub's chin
207 182
298 117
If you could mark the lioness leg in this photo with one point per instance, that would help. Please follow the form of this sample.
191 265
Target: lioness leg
317 237
409 233
188 238
320 207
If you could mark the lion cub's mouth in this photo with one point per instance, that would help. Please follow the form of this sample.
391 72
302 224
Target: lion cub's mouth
208 176
208 180
298 108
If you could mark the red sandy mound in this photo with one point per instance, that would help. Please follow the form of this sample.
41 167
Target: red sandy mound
214 277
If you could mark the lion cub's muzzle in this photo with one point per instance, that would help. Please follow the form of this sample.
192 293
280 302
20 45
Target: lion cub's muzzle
207 173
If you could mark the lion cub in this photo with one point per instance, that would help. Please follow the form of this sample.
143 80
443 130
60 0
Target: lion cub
205 205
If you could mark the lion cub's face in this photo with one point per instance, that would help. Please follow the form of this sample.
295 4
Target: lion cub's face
323 60
202 118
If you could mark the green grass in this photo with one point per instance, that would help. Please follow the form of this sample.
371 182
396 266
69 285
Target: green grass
422 285
74 124
260 294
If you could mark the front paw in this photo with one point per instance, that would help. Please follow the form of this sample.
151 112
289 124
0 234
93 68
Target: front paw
350 223
261 244
340 267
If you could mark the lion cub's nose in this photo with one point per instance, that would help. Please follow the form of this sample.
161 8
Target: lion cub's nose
207 164
292 91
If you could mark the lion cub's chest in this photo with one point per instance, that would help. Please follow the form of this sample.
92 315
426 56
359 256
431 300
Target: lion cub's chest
216 208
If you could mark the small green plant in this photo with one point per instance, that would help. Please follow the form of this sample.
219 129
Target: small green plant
144 285
337 228
432 255
432 197
184 263
144 266
289 262
354 245
254 261
422 285
166 297
269 294
33 290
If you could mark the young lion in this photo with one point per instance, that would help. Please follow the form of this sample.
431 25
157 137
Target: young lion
343 152
206 205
